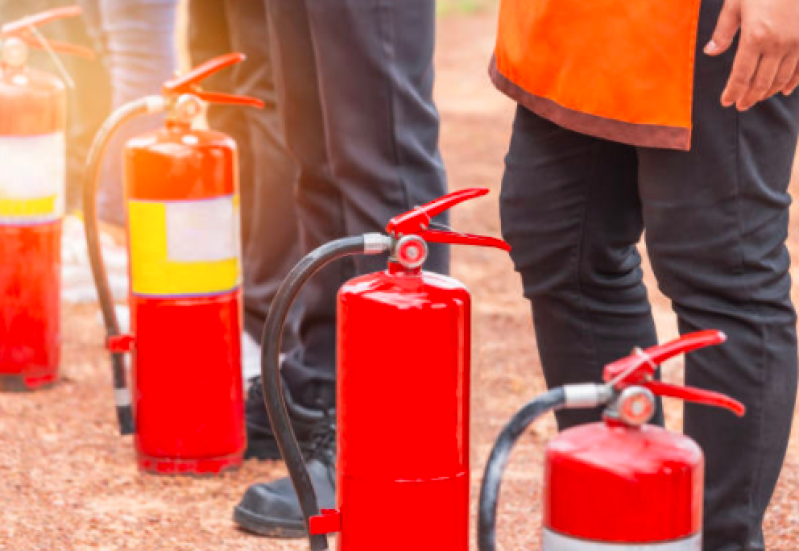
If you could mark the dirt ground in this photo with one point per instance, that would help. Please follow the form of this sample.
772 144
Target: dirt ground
68 481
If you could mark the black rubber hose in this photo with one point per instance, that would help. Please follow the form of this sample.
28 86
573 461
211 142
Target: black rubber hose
270 371
495 468
90 178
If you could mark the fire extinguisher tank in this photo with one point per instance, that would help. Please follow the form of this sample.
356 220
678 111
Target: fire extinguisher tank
32 186
645 486
185 299
403 411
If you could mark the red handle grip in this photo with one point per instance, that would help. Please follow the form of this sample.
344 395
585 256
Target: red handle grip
190 82
37 20
417 222
643 364
418 219
697 395
21 29
454 238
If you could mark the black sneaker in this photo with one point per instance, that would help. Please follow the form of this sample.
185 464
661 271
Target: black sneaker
272 509
261 443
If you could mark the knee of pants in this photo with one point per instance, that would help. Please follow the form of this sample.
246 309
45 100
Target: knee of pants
556 254
724 271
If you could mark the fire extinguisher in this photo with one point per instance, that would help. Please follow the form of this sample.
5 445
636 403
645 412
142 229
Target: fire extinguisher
181 183
403 350
32 189
618 484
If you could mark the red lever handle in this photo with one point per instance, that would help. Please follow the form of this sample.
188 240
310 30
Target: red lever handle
417 222
698 396
641 365
418 219
454 238
190 82
21 29
228 99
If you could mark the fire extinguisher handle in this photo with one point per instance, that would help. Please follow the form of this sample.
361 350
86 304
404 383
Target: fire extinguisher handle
456 238
190 82
418 219
24 30
642 364
229 99
417 222
697 396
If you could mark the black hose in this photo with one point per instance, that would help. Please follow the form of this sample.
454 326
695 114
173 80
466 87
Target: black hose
492 477
270 369
90 179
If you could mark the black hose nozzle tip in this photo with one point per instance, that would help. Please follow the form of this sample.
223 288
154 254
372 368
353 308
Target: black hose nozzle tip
125 419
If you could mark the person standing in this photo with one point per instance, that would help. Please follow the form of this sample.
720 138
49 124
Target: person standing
355 82
679 119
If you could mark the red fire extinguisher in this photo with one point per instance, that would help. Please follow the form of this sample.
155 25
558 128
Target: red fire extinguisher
618 484
32 189
403 350
187 407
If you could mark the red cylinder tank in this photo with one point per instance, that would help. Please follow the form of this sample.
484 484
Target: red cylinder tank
403 412
613 487
32 187
185 299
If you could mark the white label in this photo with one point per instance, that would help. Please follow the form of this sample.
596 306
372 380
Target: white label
202 231
32 177
552 541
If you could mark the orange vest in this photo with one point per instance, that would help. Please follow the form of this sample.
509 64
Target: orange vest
622 70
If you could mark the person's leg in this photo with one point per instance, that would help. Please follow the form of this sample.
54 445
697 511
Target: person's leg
309 370
381 131
381 124
139 38
716 223
571 213
271 243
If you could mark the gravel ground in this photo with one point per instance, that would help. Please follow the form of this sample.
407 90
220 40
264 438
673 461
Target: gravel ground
68 481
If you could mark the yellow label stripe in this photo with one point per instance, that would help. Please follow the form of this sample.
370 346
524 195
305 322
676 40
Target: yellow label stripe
24 208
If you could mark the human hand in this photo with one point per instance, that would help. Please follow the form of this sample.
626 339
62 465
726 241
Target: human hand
767 61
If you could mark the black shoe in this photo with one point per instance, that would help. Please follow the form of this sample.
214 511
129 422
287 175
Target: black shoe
272 509
261 443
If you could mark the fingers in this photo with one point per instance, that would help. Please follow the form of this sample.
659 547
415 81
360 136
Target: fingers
743 71
726 28
785 73
792 84
762 81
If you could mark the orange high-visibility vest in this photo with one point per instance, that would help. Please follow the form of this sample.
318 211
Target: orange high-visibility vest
622 70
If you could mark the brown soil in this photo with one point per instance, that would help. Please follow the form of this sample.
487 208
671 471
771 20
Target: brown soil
68 481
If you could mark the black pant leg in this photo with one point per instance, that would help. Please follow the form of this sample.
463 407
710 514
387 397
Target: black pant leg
375 66
716 223
270 228
360 119
571 212
309 369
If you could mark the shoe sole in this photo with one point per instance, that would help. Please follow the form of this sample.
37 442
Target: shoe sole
268 527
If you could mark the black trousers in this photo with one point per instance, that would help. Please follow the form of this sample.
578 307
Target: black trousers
354 81
716 222
268 174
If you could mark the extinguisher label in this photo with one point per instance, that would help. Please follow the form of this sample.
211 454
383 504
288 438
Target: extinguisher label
184 248
552 541
32 178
